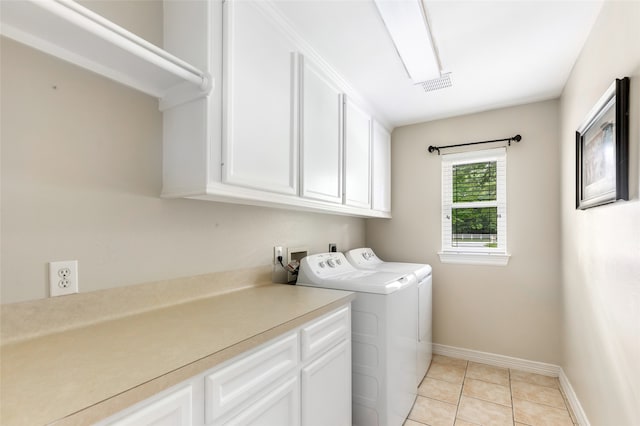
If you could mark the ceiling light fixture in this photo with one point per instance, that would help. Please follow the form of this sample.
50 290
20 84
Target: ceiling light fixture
406 22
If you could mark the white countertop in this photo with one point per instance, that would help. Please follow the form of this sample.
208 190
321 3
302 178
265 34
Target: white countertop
81 375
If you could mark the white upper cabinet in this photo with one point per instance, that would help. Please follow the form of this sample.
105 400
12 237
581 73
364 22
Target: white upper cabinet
357 153
252 113
273 133
381 176
260 137
321 140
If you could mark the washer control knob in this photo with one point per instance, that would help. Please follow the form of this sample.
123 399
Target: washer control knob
331 263
339 262
321 264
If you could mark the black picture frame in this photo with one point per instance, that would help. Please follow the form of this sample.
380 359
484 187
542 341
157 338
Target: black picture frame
602 150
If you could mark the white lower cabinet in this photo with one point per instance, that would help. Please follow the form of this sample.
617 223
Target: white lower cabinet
326 388
300 378
278 406
174 409
233 388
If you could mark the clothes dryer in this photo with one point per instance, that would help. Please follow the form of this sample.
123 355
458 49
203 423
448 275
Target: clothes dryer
384 326
366 259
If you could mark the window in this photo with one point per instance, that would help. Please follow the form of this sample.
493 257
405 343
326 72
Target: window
474 207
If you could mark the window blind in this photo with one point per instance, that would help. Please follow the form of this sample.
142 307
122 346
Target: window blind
474 201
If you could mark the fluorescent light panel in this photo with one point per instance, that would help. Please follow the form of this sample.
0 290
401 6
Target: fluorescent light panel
407 24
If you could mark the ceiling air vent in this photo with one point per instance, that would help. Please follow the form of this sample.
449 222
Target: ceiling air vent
442 82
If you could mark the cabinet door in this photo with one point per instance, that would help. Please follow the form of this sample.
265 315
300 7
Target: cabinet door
260 134
241 381
322 334
381 179
357 190
321 144
174 409
326 388
280 406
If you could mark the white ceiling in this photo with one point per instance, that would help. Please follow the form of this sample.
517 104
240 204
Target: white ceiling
500 53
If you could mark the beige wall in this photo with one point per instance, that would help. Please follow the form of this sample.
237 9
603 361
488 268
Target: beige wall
81 178
142 17
512 310
601 246
81 174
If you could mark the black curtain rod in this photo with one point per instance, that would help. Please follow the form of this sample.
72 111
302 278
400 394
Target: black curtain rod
516 138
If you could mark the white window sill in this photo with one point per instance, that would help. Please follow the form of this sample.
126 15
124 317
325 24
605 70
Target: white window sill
470 258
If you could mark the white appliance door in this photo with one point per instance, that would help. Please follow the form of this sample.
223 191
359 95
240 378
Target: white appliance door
424 327
401 363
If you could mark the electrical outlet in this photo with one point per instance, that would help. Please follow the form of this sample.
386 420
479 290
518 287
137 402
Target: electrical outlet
277 252
63 277
333 248
278 273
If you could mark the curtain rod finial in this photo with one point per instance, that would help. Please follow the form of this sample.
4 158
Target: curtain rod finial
434 148
517 138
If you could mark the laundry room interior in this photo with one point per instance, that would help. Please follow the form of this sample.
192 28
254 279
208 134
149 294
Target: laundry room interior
166 202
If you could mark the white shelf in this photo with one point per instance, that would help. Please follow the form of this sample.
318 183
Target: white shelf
71 32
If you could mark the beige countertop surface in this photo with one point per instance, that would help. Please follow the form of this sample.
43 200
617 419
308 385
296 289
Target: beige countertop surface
79 376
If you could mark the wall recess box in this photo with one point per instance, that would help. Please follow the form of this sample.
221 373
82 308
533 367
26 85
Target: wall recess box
295 254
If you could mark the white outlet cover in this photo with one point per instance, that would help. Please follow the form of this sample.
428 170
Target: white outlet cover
277 251
63 277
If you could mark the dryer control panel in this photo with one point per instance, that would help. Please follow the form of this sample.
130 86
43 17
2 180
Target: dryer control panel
363 256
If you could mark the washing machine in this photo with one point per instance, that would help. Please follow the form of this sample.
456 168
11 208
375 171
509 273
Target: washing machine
384 326
365 258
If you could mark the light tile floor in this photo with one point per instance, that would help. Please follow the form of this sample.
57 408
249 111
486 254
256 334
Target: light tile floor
462 393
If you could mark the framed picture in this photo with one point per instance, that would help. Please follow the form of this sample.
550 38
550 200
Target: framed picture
602 144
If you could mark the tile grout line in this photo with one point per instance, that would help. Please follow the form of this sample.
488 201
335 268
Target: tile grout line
513 407
493 383
566 407
490 401
557 387
418 395
536 384
464 378
511 381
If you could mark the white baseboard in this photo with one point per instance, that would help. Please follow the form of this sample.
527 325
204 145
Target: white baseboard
519 364
572 398
498 360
